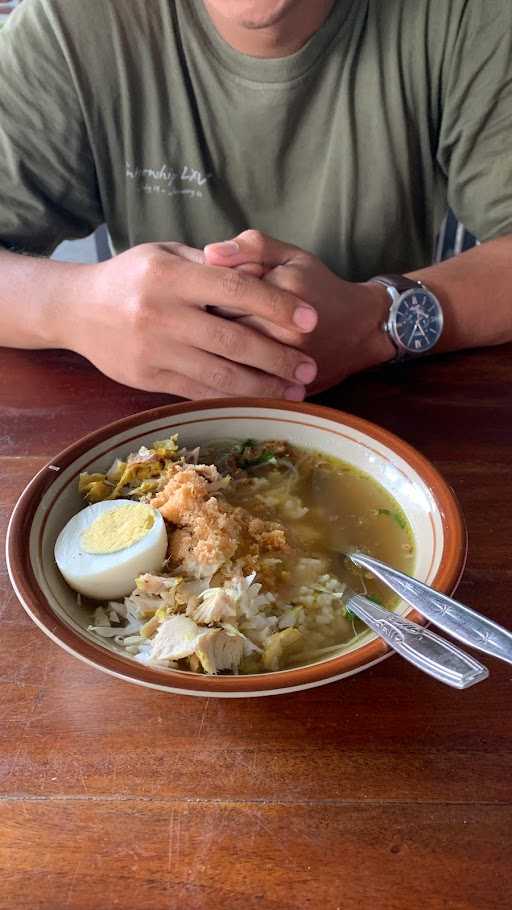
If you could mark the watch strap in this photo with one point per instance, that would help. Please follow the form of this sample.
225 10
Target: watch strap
399 282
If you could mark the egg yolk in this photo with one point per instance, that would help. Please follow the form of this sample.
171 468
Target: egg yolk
118 529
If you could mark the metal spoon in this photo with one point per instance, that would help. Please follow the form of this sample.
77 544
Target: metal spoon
461 622
421 647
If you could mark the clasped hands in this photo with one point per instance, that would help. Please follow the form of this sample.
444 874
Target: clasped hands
250 316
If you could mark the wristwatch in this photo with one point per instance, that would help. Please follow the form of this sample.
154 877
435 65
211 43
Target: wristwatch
415 319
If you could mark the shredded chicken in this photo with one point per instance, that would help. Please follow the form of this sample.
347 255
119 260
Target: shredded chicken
156 584
220 650
177 637
216 605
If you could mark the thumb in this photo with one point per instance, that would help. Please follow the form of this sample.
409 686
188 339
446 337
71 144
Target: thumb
250 246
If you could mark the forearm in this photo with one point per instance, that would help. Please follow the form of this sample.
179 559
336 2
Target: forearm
37 299
475 291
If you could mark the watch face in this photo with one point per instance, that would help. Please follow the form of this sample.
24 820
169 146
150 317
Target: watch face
417 321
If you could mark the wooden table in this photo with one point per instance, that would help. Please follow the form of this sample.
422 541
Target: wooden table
386 790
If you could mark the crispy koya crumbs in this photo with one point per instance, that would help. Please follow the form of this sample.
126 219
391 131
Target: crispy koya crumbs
210 531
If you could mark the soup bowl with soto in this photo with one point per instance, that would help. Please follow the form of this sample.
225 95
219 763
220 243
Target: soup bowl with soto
200 548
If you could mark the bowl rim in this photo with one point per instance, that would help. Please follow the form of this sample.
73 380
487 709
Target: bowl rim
34 602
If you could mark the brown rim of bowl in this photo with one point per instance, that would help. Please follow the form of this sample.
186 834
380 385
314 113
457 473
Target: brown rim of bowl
32 598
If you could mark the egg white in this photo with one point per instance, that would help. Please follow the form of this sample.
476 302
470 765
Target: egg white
107 576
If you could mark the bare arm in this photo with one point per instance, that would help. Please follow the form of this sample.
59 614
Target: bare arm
475 290
36 297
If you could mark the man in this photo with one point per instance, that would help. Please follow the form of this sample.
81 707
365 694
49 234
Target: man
343 130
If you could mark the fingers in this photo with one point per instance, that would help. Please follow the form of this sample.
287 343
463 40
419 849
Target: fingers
290 337
251 268
226 287
241 344
250 247
160 278
170 382
224 313
229 378
307 283
248 268
190 253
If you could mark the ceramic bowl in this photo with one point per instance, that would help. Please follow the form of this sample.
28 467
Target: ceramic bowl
51 498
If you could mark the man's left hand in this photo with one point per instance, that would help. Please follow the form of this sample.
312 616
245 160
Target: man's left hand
349 336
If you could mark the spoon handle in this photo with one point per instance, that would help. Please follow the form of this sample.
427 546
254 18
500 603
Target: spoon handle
449 615
421 647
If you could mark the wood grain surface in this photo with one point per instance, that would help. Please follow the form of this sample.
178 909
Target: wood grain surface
386 790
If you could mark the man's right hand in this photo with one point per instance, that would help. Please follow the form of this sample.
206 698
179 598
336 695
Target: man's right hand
144 323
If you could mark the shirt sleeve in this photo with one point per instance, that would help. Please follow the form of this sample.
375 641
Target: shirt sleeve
475 139
48 186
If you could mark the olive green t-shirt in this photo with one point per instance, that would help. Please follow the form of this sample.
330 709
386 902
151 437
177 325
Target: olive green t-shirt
138 113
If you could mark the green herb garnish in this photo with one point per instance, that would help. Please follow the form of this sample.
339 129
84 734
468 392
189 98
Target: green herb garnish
264 458
400 520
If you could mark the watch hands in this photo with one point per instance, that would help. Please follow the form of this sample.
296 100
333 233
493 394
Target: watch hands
421 329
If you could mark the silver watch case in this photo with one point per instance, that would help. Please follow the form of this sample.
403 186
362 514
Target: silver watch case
403 351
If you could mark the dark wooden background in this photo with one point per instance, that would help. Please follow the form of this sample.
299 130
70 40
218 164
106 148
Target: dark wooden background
385 791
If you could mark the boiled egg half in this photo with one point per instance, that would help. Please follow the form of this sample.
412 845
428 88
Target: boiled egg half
103 548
